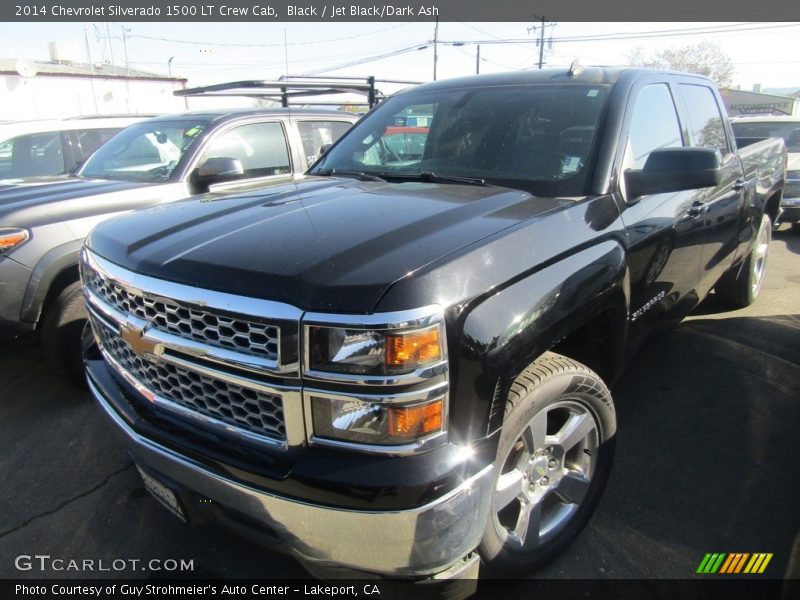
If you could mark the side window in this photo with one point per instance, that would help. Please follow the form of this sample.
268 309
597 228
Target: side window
316 134
32 155
90 140
704 117
654 125
261 148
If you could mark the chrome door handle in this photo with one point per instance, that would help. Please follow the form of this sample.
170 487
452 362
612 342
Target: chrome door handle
739 185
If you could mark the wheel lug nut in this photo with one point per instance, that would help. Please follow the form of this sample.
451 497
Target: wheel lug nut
544 481
547 451
553 463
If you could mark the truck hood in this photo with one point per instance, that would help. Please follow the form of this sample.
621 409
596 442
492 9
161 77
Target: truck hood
327 244
27 193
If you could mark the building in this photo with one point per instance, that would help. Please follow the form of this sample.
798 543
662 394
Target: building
55 89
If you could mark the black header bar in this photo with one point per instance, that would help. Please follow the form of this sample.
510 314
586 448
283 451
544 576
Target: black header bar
243 11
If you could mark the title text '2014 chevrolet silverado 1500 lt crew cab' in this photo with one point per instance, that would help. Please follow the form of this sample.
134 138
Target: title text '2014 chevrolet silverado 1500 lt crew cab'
43 220
400 365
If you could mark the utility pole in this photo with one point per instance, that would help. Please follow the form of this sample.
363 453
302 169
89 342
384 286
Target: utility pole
169 65
125 31
478 61
91 66
110 49
541 44
435 47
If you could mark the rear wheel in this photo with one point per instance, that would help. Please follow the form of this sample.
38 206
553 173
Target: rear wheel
741 286
796 227
552 464
62 332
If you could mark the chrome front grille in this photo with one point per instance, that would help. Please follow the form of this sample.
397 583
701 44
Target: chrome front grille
205 356
204 326
245 408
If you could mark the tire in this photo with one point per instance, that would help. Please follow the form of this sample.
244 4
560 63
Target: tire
795 227
741 286
62 333
558 479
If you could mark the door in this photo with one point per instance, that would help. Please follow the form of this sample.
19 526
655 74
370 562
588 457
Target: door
317 135
663 230
260 147
721 206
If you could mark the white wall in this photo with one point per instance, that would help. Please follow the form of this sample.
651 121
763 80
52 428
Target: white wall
43 97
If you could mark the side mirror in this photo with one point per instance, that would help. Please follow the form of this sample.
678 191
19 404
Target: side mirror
674 170
216 170
323 149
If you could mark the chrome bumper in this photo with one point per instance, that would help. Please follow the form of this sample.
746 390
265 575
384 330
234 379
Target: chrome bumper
411 543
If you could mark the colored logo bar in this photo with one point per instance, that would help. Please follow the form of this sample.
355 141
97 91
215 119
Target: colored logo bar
733 563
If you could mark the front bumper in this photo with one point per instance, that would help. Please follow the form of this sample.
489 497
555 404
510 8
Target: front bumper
417 542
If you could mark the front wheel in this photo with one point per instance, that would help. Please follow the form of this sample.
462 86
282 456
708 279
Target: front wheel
741 286
62 333
553 460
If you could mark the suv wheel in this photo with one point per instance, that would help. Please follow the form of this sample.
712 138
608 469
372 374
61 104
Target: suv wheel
62 332
553 461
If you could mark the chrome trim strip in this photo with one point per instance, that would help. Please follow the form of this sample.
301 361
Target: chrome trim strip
413 542
403 319
415 397
263 311
214 354
422 374
199 418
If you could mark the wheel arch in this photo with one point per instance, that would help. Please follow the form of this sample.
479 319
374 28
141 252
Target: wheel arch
54 271
544 312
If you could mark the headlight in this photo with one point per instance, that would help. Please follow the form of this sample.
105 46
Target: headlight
11 237
375 422
391 376
373 352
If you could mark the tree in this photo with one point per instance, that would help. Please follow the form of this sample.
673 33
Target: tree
704 58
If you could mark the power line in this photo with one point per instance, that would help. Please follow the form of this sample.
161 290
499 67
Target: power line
627 36
267 45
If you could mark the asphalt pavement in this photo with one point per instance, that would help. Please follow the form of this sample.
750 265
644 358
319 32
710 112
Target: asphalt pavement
707 461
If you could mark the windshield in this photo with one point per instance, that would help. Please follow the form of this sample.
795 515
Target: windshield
147 152
788 130
535 137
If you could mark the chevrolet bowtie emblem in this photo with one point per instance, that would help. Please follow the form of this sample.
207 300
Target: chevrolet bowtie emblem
137 339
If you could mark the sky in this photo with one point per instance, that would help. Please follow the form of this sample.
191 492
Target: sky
763 53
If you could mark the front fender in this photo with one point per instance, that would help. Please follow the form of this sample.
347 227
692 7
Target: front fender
54 262
505 333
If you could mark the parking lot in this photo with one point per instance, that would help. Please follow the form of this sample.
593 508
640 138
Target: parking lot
707 460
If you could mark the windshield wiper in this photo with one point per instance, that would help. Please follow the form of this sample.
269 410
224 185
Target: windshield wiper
431 177
360 175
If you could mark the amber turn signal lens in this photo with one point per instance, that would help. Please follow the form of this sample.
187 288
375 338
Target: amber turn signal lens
9 239
415 421
413 349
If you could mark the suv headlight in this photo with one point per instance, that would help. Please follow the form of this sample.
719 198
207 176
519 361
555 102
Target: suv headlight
11 237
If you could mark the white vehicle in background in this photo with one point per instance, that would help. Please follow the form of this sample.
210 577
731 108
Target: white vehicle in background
788 128
53 147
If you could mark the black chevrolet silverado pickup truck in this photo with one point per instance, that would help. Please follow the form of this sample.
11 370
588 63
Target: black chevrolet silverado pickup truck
401 364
